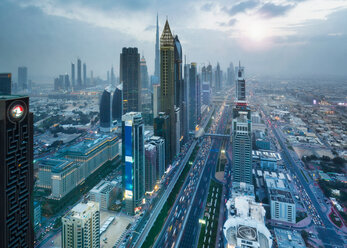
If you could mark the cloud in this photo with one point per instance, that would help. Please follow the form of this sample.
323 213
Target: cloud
150 28
242 7
270 10
207 7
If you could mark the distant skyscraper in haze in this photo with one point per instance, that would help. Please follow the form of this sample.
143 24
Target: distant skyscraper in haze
73 76
240 84
198 97
230 74
105 110
218 77
193 119
185 116
17 173
203 74
241 135
81 226
130 77
5 84
206 93
167 83
209 74
79 73
117 104
22 78
133 158
113 77
157 53
144 73
84 75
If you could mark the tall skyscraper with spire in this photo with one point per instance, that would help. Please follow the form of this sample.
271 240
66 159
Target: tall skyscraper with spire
167 83
157 53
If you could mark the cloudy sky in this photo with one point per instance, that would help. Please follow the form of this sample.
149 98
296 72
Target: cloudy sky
270 37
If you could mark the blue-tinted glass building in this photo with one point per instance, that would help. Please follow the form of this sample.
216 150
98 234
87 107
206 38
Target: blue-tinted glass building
133 158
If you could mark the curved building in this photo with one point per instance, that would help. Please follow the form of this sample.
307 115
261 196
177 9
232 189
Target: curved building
117 104
245 225
105 110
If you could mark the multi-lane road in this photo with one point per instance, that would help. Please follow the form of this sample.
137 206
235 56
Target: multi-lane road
188 208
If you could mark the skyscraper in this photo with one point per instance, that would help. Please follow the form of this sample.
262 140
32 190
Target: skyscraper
160 161
79 74
198 97
179 84
162 128
157 55
144 73
167 83
130 77
203 74
209 74
193 121
5 84
17 180
133 158
73 77
185 119
105 110
240 84
156 100
241 135
150 165
218 77
81 226
206 93
117 104
84 75
230 74
22 78
113 77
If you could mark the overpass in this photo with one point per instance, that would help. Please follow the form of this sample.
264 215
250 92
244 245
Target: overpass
201 133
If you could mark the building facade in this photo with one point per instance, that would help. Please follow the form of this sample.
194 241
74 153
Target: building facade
81 226
133 160
193 118
105 111
103 193
117 104
130 77
22 78
5 84
167 84
160 152
144 74
16 160
150 164
162 128
79 73
242 137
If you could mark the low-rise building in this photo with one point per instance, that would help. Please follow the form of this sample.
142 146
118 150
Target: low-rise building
282 204
287 238
103 193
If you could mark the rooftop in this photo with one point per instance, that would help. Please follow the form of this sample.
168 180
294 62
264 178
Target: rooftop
288 238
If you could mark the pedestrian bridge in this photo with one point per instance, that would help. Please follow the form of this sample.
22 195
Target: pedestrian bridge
201 133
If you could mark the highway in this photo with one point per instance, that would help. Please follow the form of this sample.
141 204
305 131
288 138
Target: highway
191 228
173 226
145 225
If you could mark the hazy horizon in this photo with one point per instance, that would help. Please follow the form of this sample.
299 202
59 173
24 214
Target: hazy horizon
275 38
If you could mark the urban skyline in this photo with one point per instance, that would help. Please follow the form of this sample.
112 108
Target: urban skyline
165 147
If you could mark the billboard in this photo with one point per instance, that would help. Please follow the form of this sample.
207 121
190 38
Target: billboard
128 162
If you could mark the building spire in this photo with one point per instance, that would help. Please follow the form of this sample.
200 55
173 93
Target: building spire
166 38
